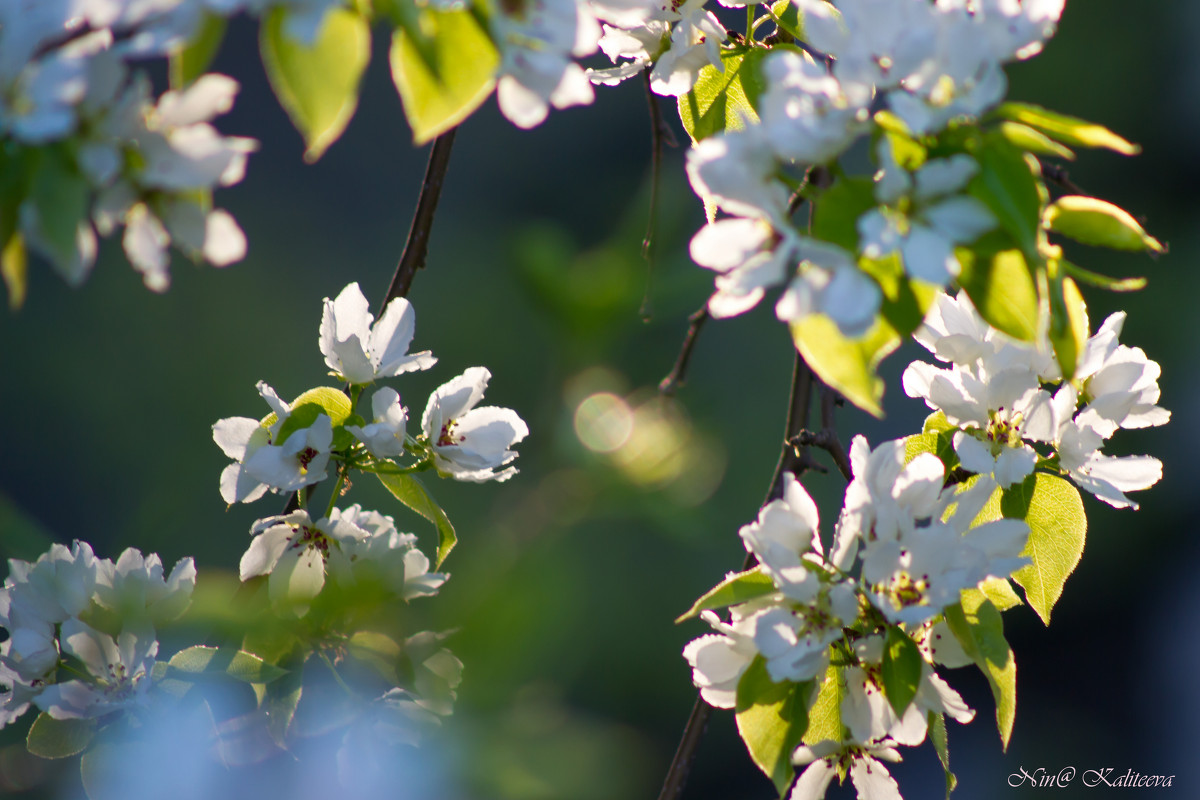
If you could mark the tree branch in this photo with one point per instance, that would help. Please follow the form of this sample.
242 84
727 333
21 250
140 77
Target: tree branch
678 374
417 246
790 460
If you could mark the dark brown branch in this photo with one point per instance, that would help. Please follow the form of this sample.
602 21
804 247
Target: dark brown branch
1055 173
678 374
833 446
790 460
417 246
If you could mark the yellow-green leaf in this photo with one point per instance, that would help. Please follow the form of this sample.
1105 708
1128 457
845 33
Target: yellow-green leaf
444 67
1001 287
724 99
736 588
1068 130
847 365
1052 508
976 623
771 719
14 267
825 714
937 735
901 669
191 60
1091 220
412 493
1010 185
317 85
1068 331
1033 140
59 738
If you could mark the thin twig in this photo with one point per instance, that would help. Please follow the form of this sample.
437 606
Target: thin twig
660 134
799 404
417 246
1056 173
832 445
678 374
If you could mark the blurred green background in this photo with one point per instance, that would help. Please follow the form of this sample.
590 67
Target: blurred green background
567 579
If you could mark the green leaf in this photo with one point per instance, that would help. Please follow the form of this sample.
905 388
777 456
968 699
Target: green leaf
326 400
825 713
1033 140
317 85
281 697
1010 185
736 588
901 669
789 18
60 197
192 60
905 301
1068 331
906 150
444 67
847 365
724 99
412 493
937 735
1057 532
1001 593
14 268
976 623
1068 130
58 738
771 719
836 212
230 661
940 444
1093 221
937 423
1102 281
1001 287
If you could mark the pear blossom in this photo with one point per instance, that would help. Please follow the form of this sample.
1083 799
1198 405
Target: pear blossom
470 443
862 760
795 639
641 44
135 589
386 554
361 352
260 463
696 38
719 660
537 39
809 116
385 437
119 672
938 217
292 550
829 282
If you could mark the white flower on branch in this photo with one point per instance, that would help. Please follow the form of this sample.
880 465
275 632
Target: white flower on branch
118 672
362 352
261 463
470 443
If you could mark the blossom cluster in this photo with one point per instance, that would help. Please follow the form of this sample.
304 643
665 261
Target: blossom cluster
995 394
292 446
82 631
99 151
928 64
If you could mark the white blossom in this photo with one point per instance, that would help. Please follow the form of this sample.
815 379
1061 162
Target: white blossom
385 436
362 352
719 660
470 443
118 677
